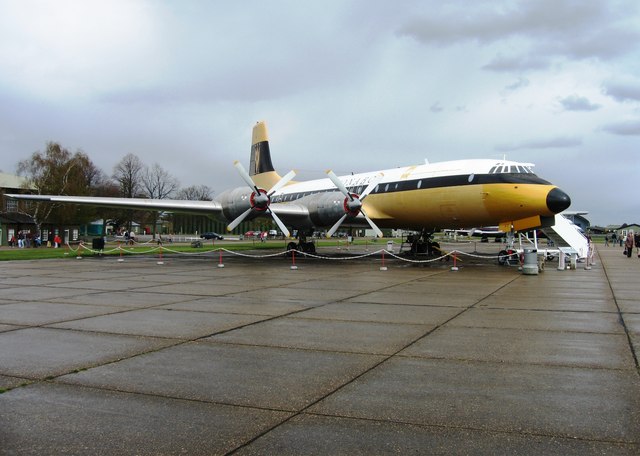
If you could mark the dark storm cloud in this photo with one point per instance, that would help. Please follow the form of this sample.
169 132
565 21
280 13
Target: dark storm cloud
550 143
622 91
624 128
544 30
578 103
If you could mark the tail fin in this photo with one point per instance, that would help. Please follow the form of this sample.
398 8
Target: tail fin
260 166
260 153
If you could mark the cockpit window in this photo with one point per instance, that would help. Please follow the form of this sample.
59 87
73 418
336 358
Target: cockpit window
500 168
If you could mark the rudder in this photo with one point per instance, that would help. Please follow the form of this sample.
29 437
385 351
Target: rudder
260 161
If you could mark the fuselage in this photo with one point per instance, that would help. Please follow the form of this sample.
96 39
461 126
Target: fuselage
453 194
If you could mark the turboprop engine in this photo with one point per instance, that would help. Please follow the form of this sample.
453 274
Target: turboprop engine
325 208
253 199
235 202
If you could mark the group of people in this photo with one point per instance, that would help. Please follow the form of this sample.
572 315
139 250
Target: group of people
26 239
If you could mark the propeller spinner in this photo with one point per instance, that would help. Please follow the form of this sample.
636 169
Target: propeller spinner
353 202
260 199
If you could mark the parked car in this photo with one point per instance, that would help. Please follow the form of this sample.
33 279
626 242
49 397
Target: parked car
249 234
211 235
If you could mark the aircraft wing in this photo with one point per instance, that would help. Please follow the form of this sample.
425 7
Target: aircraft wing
211 208
293 214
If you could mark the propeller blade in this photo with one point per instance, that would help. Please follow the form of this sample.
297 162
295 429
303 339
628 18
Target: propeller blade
373 226
281 225
245 176
335 227
262 199
338 183
239 220
282 182
375 181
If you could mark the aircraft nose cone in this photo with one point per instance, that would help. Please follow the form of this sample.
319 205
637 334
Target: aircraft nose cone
558 201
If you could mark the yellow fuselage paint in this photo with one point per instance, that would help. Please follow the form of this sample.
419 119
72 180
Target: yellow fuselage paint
459 206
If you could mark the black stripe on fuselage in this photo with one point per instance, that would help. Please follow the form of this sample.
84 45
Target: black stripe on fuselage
429 183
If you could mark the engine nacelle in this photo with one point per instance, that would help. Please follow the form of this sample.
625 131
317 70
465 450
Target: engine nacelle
234 202
326 208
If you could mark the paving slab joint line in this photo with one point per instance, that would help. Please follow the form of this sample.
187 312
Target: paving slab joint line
52 378
57 381
293 312
475 429
620 315
26 382
391 285
516 363
613 312
177 343
364 372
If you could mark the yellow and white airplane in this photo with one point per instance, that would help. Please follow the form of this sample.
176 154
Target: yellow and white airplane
425 198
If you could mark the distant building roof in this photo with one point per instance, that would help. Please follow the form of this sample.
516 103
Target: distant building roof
628 225
11 181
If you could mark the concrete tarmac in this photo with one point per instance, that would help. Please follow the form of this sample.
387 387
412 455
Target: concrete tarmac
337 357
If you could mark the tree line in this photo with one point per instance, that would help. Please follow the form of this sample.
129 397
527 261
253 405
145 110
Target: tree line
57 171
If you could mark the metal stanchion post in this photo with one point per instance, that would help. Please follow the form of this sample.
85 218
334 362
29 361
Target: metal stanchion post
455 259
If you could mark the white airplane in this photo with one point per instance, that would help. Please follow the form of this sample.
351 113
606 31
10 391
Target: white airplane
425 198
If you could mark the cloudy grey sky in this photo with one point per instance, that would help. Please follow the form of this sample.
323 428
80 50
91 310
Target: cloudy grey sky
347 85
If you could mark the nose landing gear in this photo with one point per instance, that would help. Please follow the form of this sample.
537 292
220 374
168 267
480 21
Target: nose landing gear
423 244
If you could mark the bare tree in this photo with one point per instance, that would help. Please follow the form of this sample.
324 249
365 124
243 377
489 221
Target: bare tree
58 172
157 183
127 174
196 193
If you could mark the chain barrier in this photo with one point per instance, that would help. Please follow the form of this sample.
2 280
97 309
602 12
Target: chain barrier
163 249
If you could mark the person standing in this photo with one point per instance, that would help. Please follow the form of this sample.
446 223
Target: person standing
629 243
636 238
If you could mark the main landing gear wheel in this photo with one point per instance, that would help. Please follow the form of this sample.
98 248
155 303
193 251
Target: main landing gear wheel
508 257
306 247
